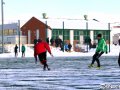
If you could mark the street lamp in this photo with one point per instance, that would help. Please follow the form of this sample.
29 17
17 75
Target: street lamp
86 18
46 30
2 25
87 34
109 35
87 38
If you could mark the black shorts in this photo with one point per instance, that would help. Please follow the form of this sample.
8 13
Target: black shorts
16 52
42 56
23 51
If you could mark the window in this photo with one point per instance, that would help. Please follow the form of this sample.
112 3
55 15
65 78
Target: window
15 32
67 34
81 32
59 32
55 33
11 32
78 33
105 34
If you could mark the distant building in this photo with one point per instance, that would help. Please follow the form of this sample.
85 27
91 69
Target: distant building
75 31
9 29
115 32
11 34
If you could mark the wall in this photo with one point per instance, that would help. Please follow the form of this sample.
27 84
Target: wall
14 39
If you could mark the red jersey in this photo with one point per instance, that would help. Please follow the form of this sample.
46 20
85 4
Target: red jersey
41 47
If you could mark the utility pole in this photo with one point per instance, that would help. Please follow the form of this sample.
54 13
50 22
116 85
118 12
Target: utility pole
86 19
109 35
19 33
87 34
2 16
63 37
46 30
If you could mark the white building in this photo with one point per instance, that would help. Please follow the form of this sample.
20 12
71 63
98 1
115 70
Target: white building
11 34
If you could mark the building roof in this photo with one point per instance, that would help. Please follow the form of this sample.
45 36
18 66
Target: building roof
70 24
9 26
36 20
75 24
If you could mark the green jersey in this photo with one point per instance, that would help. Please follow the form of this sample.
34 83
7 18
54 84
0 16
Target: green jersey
102 46
23 49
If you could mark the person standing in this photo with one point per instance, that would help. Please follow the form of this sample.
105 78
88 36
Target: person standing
47 40
101 48
57 42
119 41
52 41
35 42
119 60
66 47
69 47
41 49
16 50
23 50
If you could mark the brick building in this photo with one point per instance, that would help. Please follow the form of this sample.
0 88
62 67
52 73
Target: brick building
35 29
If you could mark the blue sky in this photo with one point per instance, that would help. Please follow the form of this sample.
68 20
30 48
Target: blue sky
25 9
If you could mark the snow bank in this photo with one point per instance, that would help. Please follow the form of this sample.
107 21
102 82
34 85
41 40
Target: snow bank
58 53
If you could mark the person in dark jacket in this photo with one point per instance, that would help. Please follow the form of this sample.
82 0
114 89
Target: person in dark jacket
119 41
57 42
52 41
69 47
101 48
35 42
119 60
23 50
47 40
41 49
16 50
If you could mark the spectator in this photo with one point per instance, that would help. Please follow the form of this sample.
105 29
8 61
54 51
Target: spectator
66 47
47 40
23 50
52 41
57 42
35 42
16 50
119 41
69 47
119 59
88 41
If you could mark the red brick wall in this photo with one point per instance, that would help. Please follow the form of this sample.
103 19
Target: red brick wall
33 24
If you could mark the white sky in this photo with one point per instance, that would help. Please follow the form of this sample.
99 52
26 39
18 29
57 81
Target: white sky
102 10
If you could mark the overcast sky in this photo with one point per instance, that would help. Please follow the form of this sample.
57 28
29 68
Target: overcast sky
103 10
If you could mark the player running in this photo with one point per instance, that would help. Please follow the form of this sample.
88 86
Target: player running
101 48
41 49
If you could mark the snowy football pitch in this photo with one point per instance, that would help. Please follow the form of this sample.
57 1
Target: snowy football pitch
67 73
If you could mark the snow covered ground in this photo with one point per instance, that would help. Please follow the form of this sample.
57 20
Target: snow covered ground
57 53
69 71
